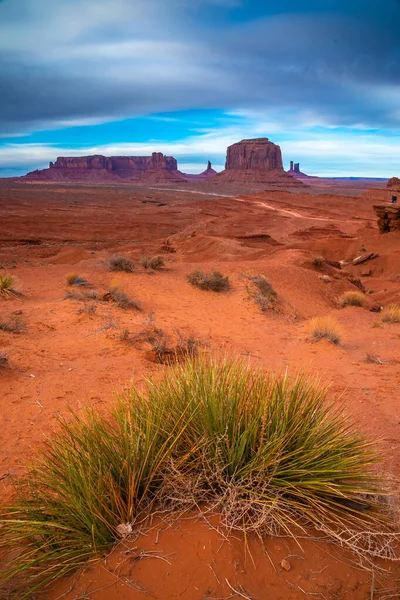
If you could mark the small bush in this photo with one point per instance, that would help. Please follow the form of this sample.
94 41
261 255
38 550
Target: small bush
7 282
261 291
3 359
391 314
120 263
13 324
214 281
352 298
325 327
373 358
318 261
154 263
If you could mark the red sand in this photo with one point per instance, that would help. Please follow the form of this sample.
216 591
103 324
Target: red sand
66 359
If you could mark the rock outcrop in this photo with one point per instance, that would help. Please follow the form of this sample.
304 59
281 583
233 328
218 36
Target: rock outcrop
209 172
101 168
394 182
388 217
295 171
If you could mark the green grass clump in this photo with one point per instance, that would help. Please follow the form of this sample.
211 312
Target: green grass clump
7 282
214 281
269 453
352 298
120 263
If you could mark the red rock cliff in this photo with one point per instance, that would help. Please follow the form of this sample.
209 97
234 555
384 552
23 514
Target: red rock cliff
259 154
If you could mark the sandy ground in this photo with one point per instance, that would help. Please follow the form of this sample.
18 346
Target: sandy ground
69 357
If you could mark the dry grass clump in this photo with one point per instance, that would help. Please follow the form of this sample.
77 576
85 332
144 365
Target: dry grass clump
352 298
153 263
13 323
121 299
7 282
214 281
82 295
374 359
391 314
267 452
120 263
3 359
261 291
325 327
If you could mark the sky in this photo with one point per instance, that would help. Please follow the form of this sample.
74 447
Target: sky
321 78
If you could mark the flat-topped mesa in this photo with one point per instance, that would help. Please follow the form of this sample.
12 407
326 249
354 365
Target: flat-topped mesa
258 154
388 217
102 168
116 163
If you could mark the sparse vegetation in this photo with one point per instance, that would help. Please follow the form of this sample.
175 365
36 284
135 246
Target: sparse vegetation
214 281
391 314
14 323
153 263
352 298
3 363
120 263
268 453
325 327
7 282
89 308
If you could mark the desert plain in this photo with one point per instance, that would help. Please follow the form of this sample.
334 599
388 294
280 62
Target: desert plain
74 351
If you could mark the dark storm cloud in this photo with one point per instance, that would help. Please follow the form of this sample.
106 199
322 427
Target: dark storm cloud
81 61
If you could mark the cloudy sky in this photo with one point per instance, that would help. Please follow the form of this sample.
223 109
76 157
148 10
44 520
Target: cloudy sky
189 77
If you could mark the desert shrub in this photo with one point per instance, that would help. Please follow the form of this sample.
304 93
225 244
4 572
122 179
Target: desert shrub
325 327
261 291
7 282
152 262
391 314
14 323
121 299
120 263
267 452
214 281
74 279
352 298
318 261
3 359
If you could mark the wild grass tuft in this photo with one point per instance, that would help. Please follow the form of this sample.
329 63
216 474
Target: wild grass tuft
74 279
7 282
214 281
269 453
121 299
325 327
120 263
391 314
352 298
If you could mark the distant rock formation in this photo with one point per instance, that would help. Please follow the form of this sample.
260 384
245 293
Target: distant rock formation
394 182
100 168
254 162
295 171
209 172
